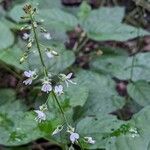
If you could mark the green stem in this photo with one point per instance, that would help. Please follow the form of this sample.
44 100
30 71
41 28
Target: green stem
61 109
80 145
45 69
38 46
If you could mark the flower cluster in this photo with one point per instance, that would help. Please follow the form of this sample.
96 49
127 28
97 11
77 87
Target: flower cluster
48 84
74 136
41 116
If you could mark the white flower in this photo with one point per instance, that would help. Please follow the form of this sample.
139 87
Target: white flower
41 116
25 36
47 35
31 75
46 87
51 54
67 78
57 130
133 132
58 89
74 137
27 81
89 140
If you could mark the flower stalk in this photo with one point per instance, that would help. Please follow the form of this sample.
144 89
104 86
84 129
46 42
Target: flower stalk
45 69
38 46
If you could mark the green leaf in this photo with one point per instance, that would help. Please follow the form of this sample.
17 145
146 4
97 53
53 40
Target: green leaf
120 66
49 4
105 24
12 56
97 128
55 65
16 12
103 97
140 92
76 94
6 36
18 127
129 143
141 121
84 11
6 95
58 19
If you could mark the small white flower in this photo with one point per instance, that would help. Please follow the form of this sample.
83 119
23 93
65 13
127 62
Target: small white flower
89 140
74 137
25 36
49 54
57 130
28 81
46 87
47 35
67 78
58 89
41 116
31 75
133 132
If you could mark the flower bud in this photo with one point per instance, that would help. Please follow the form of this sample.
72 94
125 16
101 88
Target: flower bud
54 53
35 24
43 29
27 8
29 45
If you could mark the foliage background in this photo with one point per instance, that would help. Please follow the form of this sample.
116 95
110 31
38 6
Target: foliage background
105 44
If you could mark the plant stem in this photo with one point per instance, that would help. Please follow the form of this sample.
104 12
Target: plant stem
80 145
38 46
61 109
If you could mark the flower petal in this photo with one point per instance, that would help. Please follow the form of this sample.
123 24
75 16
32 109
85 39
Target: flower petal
69 75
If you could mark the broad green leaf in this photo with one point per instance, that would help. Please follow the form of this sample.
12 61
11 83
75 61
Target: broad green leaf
18 127
103 97
97 128
56 18
7 95
6 36
120 66
105 24
141 141
49 4
11 56
76 94
140 92
130 143
55 65
16 12
84 11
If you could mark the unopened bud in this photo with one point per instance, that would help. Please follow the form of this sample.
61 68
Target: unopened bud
27 8
29 45
54 53
35 24
43 29
21 60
